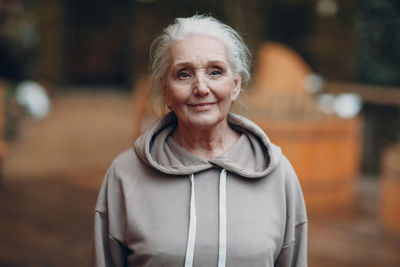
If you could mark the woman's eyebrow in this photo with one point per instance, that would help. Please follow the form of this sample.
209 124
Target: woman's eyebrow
181 65
216 62
185 64
189 63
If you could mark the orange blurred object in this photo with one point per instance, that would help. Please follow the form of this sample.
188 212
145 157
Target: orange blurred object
390 196
323 149
325 155
280 69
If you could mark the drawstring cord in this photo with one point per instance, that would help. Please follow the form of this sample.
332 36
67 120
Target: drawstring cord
192 226
222 219
222 223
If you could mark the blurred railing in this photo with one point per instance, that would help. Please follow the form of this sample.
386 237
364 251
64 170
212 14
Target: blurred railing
383 95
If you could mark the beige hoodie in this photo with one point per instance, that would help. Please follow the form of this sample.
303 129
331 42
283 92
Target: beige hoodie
160 205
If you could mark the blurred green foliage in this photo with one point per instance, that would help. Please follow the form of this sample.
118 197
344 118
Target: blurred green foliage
378 62
378 27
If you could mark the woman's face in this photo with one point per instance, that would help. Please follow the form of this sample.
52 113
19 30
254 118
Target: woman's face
200 85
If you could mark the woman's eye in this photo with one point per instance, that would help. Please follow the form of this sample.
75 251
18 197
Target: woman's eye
215 72
183 75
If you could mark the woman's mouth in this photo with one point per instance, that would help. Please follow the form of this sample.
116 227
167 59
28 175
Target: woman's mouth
201 106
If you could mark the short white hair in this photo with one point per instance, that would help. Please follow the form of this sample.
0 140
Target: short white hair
237 51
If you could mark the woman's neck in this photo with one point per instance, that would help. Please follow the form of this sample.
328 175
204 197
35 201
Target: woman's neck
206 143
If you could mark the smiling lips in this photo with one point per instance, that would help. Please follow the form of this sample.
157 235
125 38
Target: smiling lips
201 106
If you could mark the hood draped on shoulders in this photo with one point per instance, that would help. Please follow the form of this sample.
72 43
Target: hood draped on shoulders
159 151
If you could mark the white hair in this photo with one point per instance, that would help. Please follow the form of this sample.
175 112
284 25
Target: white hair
237 52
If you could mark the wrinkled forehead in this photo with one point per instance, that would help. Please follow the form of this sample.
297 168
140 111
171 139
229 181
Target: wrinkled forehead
198 49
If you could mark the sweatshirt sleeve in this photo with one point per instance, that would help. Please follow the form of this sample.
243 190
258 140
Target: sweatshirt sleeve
108 248
294 249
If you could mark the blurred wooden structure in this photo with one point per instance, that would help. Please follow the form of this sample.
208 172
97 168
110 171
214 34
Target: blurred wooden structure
390 192
381 95
325 155
324 149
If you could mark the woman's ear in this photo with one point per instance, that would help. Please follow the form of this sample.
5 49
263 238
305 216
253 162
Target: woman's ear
237 85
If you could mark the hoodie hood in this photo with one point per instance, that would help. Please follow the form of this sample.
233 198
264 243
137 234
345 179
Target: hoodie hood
159 151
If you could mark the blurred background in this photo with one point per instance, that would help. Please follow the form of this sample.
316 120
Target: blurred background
74 94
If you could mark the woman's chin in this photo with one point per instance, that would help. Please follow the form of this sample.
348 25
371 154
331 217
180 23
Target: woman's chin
202 120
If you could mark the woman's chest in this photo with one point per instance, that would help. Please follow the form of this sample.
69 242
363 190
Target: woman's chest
157 227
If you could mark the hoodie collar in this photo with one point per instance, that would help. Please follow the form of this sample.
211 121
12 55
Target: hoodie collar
252 156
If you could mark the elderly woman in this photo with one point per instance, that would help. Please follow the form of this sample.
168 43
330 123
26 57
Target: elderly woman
202 186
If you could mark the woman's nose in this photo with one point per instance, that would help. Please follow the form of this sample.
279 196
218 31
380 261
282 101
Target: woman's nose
200 86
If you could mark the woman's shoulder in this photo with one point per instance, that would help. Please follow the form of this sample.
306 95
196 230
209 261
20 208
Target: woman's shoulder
124 165
129 165
125 158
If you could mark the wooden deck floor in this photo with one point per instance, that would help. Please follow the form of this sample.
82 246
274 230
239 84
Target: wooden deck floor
52 174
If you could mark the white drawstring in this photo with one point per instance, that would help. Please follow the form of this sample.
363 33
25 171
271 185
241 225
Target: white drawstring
192 226
222 223
222 219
